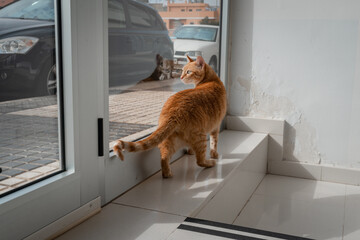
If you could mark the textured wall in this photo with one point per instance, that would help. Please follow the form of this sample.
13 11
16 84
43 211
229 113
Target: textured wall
300 61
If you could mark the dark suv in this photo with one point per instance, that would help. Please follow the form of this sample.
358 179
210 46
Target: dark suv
137 34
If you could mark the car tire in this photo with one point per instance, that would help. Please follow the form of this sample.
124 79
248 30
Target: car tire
213 64
48 80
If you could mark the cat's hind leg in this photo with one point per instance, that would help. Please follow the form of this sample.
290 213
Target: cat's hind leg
190 151
167 149
199 147
214 136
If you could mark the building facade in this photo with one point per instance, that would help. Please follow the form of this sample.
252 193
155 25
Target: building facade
179 14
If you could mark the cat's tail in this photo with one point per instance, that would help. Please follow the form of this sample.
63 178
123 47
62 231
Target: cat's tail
152 141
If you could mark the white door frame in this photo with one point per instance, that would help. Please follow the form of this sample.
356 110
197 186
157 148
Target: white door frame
31 209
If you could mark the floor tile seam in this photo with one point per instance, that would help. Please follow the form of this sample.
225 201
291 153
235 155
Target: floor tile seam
148 209
174 230
248 156
221 184
304 194
254 193
291 199
344 214
226 179
319 193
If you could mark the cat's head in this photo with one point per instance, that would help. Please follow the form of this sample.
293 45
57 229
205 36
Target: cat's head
194 71
163 63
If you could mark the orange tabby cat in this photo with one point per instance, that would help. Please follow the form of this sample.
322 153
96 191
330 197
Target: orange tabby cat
186 118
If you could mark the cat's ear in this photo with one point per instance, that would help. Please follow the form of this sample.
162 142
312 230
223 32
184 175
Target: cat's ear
200 61
189 58
158 59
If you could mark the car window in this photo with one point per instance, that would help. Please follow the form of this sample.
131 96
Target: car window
159 23
197 33
140 18
31 9
116 14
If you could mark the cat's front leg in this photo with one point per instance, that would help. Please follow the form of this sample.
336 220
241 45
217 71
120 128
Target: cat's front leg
199 146
165 168
214 135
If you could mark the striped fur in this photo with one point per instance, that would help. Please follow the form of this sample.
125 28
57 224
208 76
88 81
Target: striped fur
150 142
186 118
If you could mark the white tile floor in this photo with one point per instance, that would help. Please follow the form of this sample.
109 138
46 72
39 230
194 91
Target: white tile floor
122 222
155 208
299 207
150 208
192 185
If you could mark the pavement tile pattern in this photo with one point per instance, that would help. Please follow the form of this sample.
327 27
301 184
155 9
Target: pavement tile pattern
29 141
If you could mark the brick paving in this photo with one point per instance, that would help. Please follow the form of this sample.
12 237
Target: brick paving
29 141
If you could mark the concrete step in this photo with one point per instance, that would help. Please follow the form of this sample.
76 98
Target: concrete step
217 193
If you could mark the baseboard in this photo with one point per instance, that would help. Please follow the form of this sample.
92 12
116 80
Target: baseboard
258 125
69 221
276 164
320 172
273 128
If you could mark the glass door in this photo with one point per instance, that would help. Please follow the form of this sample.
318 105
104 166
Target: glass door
30 103
148 43
53 127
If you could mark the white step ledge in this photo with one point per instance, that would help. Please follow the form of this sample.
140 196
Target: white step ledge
193 190
276 164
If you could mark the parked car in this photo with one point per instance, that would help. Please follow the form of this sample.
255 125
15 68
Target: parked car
197 40
27 49
137 35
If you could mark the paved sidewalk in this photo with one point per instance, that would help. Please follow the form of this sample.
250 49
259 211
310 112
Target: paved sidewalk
29 147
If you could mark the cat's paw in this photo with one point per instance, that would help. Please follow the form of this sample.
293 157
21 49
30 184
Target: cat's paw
207 163
190 151
118 148
162 77
167 174
214 154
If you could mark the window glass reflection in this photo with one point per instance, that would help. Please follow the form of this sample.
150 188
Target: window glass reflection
148 44
29 139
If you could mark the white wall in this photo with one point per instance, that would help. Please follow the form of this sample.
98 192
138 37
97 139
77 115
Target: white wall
300 61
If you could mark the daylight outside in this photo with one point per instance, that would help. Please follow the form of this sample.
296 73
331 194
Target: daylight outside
148 44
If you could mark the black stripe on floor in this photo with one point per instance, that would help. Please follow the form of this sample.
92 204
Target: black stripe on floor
216 233
242 229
